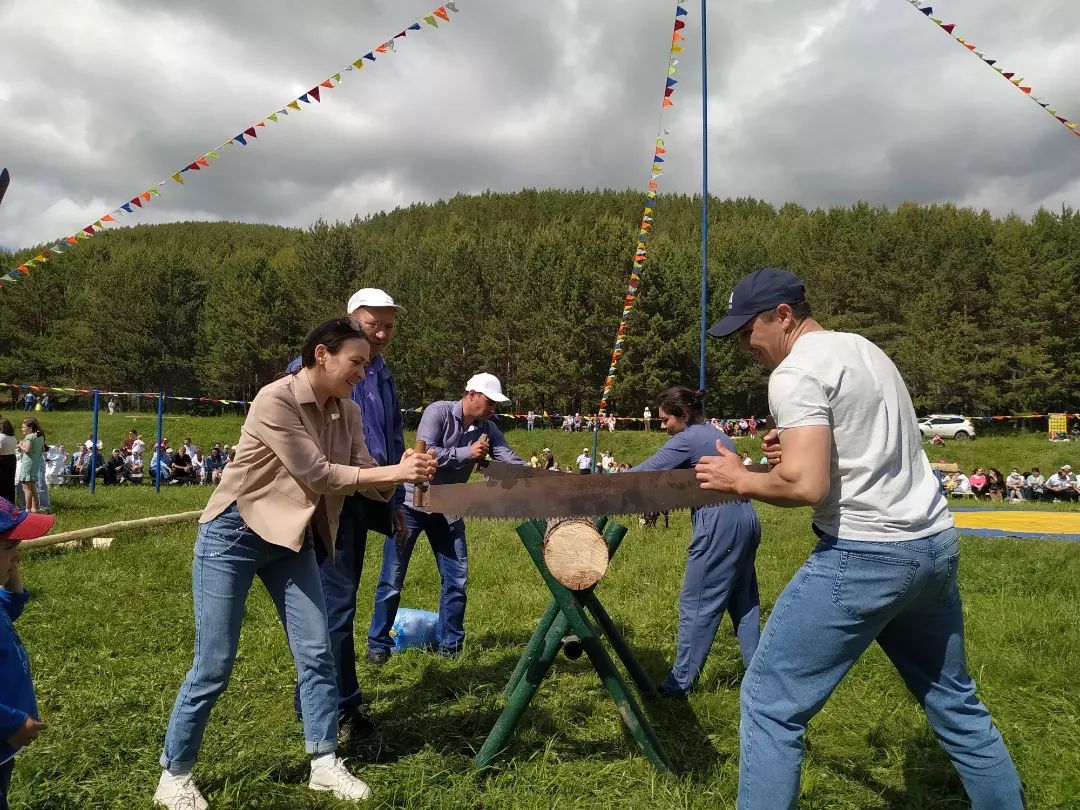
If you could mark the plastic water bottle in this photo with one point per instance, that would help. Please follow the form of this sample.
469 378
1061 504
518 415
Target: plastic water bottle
413 628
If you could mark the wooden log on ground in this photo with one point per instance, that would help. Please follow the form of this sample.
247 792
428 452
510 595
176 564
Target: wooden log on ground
109 528
575 553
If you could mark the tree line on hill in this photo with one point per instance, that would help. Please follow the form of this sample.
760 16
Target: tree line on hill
979 313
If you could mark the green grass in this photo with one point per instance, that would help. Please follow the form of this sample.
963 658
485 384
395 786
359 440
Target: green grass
110 636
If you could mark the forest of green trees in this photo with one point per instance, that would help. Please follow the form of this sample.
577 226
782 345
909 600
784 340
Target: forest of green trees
979 313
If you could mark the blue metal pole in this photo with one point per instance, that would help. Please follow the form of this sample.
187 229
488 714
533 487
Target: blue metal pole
93 446
160 412
704 193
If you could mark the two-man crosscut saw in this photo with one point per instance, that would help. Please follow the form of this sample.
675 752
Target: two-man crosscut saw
517 492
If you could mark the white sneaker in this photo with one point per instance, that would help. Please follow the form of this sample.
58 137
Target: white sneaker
178 793
335 778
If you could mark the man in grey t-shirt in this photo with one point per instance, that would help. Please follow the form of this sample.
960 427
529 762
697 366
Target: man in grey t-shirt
885 570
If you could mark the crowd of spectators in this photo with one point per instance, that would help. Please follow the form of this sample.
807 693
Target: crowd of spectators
1016 487
179 464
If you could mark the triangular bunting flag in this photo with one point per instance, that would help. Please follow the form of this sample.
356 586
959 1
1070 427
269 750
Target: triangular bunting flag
970 47
108 218
430 20
1026 90
990 62
676 48
369 55
154 191
88 229
401 34
359 63
327 83
1008 75
927 11
136 202
672 82
667 102
440 12
178 178
305 99
679 25
294 105
668 91
272 117
414 27
145 196
250 131
203 162
336 77
314 93
677 37
241 139
949 27
193 167
452 5
98 225
680 11
211 154
72 240
384 48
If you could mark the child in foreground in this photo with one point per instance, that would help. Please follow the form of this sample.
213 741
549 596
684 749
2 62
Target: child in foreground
19 723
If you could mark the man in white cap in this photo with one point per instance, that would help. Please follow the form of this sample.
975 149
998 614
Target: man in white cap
384 434
461 435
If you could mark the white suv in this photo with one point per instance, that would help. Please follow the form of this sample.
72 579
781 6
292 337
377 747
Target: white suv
947 425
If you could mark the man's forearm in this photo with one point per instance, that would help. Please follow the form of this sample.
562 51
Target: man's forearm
770 486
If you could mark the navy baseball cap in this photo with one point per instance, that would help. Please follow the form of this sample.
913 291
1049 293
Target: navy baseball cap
758 292
17 524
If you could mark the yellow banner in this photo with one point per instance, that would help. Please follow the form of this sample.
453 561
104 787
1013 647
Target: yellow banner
1058 427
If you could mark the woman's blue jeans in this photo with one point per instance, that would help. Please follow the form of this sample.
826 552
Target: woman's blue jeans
847 595
228 557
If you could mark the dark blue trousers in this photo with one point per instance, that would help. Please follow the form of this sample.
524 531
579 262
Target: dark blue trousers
451 556
5 782
341 579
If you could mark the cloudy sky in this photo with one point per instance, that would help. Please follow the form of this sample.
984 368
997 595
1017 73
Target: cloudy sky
816 101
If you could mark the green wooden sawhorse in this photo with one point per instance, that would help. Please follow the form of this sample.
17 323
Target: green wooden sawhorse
566 623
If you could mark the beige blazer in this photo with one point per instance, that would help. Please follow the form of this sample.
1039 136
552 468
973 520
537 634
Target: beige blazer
295 463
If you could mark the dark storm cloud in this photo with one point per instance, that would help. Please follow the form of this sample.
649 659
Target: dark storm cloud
820 102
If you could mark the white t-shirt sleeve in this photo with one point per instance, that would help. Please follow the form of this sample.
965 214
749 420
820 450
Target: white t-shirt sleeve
798 399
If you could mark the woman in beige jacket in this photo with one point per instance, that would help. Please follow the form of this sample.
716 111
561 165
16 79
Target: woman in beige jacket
301 451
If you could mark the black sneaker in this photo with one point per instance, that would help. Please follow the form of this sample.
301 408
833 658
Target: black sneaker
355 725
377 657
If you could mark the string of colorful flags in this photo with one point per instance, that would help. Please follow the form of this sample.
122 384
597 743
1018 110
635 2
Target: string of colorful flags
656 171
1010 76
251 133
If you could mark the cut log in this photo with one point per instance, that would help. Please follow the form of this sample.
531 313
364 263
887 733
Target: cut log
575 553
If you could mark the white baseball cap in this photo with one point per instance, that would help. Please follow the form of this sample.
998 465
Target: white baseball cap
488 385
371 297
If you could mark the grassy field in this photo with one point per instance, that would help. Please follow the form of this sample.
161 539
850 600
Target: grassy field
110 636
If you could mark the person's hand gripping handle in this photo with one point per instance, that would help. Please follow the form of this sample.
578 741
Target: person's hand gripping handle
421 496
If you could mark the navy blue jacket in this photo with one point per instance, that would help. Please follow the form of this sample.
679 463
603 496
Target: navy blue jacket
16 689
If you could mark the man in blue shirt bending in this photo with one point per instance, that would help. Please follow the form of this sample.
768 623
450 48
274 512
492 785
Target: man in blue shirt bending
461 435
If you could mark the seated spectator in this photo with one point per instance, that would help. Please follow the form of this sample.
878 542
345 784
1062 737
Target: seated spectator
549 462
961 484
182 470
995 485
1034 489
214 464
115 468
160 462
1014 486
1059 486
937 440
978 482
138 447
129 441
56 466
93 464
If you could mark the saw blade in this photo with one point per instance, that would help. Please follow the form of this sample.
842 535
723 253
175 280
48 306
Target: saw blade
548 496
500 471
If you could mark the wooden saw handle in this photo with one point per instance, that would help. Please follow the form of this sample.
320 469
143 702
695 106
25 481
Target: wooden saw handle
421 496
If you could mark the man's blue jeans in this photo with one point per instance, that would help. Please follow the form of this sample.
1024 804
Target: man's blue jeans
340 580
228 556
451 556
847 595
